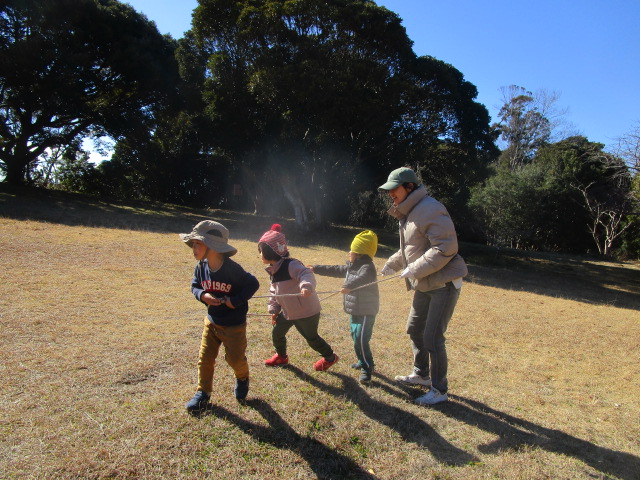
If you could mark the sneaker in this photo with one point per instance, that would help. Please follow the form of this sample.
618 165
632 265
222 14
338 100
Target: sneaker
277 360
432 397
365 376
356 366
414 379
324 364
241 389
199 401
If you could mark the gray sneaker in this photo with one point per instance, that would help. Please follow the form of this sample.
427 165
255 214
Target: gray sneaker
414 379
432 397
365 376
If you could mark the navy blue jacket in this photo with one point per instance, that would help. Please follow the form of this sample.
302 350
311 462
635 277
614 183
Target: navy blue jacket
230 280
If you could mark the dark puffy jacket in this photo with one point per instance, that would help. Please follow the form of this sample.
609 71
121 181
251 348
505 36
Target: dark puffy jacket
364 301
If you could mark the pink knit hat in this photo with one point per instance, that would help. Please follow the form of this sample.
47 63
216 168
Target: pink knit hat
276 240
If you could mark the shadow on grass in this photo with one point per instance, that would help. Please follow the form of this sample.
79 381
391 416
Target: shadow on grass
575 277
587 283
554 275
325 462
515 433
22 203
409 426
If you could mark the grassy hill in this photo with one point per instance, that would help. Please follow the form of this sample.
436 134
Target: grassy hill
100 337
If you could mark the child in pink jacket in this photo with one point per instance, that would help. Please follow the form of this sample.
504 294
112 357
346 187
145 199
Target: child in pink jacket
294 301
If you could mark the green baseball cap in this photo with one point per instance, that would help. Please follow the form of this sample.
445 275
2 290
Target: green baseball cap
398 177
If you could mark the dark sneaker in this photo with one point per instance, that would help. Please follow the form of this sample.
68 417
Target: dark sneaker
277 360
241 389
199 401
365 376
324 364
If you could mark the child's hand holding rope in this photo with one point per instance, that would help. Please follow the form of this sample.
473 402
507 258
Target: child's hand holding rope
216 301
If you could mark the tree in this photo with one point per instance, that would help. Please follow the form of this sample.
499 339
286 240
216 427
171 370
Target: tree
171 164
511 205
76 68
596 181
527 122
569 196
607 217
319 99
629 149
444 133
294 87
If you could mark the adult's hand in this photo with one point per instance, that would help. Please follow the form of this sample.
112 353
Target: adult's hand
387 270
406 273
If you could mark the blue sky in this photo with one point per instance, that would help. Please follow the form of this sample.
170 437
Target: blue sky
585 50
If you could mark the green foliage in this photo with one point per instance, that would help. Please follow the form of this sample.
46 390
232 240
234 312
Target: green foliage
503 205
542 205
369 208
526 123
629 247
304 103
297 89
72 68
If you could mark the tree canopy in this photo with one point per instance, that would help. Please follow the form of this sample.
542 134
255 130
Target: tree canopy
572 197
74 68
297 89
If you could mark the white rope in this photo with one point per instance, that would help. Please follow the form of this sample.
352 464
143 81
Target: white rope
287 295
330 294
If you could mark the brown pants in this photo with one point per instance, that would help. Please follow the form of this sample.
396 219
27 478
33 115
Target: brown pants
234 340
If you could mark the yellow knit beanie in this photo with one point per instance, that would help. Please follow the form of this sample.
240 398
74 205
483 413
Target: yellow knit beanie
366 243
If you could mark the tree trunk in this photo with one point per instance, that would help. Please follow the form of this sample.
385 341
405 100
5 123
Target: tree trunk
253 190
292 194
15 172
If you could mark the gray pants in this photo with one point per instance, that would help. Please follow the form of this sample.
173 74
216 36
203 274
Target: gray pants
428 320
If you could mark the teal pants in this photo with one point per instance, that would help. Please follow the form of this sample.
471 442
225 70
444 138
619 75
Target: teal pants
361 331
308 328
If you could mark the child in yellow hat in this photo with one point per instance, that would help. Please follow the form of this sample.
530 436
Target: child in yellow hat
362 304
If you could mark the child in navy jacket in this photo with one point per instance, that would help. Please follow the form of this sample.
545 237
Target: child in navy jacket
225 287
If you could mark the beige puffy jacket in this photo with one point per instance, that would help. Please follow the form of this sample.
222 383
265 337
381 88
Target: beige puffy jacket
428 242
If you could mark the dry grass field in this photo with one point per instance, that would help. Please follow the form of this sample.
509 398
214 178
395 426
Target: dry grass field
100 337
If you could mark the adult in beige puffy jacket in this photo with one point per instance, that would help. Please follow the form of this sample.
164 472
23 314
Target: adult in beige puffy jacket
430 264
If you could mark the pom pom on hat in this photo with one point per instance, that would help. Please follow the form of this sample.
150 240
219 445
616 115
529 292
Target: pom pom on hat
365 243
276 240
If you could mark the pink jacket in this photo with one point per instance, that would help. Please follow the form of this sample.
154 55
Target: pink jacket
290 276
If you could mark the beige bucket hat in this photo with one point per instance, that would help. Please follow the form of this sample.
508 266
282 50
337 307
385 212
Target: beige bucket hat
213 234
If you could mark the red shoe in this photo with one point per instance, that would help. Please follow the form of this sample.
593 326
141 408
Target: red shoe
324 364
277 360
